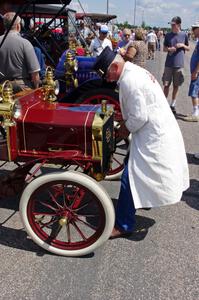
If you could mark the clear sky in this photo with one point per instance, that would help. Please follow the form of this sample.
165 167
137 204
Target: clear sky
153 12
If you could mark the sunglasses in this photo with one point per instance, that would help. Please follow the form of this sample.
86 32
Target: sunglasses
126 35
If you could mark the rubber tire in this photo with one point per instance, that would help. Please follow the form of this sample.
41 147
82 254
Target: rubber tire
90 184
99 91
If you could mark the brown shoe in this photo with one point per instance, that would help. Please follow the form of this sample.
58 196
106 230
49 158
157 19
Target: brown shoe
117 233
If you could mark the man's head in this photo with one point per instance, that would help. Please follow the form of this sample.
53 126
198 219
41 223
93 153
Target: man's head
175 24
109 65
7 21
126 34
195 29
103 31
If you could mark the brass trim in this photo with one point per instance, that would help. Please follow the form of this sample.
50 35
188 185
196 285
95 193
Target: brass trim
8 142
53 149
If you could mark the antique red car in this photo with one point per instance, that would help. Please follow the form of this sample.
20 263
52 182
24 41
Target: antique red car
66 211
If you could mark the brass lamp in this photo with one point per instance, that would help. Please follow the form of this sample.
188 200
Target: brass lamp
6 102
50 86
70 67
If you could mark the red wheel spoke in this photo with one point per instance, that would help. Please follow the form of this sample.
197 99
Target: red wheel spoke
87 224
64 196
48 223
54 199
79 195
44 214
48 206
81 207
79 231
89 216
56 228
121 154
68 232
119 163
74 198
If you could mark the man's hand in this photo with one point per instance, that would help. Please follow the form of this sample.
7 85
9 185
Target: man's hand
172 49
121 51
35 79
122 132
180 45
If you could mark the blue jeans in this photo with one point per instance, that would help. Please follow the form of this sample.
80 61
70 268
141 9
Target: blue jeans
125 211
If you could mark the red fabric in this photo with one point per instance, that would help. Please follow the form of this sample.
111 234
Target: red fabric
80 51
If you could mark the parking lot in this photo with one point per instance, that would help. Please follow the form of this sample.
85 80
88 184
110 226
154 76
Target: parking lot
160 261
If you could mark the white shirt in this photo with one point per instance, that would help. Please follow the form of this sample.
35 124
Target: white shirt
158 169
97 46
151 37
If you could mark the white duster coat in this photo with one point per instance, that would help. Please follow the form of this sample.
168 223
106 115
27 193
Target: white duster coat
158 169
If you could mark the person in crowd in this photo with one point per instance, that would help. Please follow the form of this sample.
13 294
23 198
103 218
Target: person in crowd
38 52
156 173
126 35
132 38
159 38
136 51
19 63
175 44
97 28
99 43
151 39
194 84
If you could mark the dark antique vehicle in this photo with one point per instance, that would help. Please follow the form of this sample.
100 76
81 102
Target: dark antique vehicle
65 211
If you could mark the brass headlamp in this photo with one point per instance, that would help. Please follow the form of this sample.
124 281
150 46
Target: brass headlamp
6 102
50 86
70 66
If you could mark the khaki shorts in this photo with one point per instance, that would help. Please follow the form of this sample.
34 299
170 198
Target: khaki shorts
151 47
174 75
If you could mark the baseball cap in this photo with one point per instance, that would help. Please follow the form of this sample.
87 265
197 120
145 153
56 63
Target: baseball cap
104 28
103 61
175 20
195 25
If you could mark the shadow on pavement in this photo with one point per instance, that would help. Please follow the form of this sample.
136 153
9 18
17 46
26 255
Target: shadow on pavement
17 239
142 227
180 117
191 196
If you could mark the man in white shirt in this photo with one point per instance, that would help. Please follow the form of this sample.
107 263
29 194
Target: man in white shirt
152 41
101 42
156 173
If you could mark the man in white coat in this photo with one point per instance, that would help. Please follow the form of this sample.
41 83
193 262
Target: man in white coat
157 171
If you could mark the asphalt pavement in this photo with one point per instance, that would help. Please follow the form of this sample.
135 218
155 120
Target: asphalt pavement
159 262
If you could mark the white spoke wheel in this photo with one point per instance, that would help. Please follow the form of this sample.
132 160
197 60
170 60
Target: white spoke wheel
67 213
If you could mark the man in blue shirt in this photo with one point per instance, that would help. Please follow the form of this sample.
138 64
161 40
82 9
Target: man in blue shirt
194 84
175 44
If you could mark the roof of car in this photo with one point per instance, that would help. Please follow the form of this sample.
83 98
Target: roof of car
96 17
38 1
